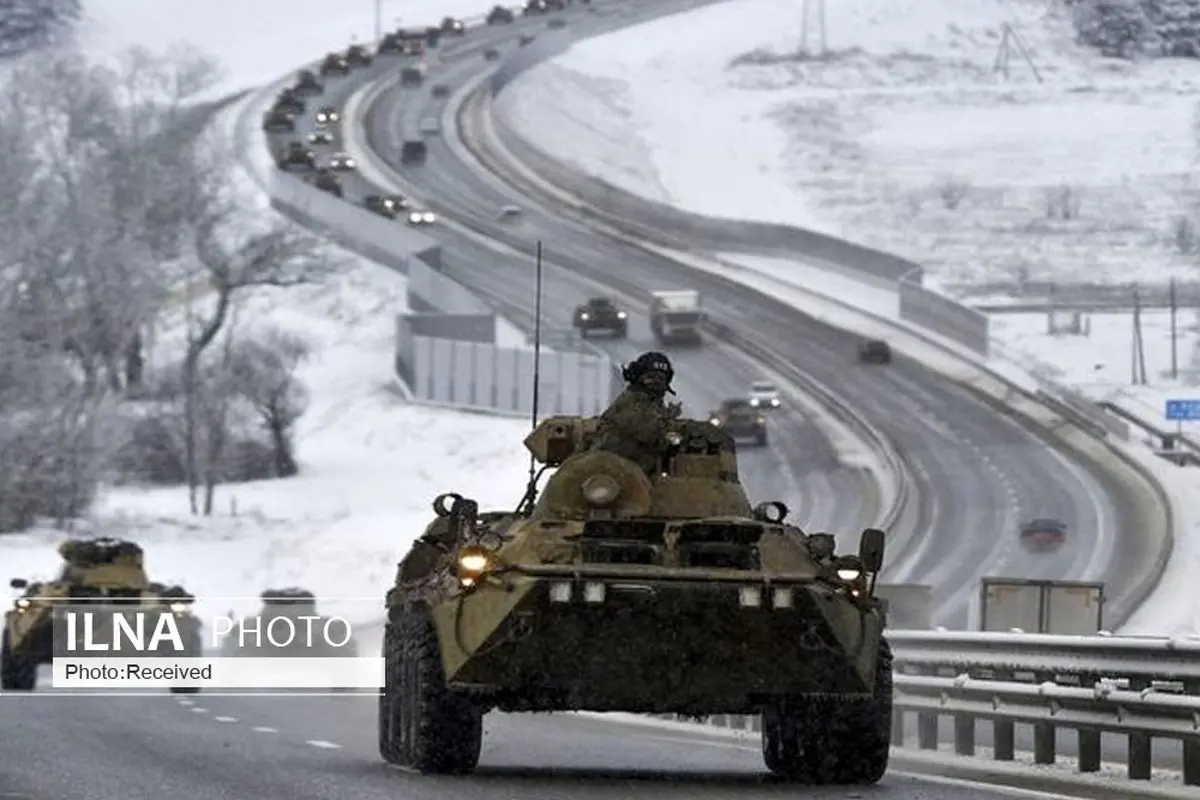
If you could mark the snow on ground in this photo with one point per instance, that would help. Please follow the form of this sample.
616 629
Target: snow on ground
257 42
903 119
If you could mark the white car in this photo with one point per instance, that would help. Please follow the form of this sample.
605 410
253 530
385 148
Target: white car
764 395
342 161
421 218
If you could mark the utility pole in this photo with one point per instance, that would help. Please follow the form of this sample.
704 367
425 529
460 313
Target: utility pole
810 9
1011 40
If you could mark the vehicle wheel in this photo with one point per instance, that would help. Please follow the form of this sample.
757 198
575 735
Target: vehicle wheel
17 674
826 741
422 724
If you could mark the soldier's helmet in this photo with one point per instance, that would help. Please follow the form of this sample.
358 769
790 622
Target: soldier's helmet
653 368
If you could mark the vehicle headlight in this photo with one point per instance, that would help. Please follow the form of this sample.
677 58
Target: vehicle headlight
473 562
179 608
427 217
583 316
674 438
349 162
601 490
849 568
760 420
22 604
621 315
389 204
754 401
715 421
849 574
775 401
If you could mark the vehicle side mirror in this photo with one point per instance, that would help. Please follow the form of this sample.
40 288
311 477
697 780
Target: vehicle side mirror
870 549
18 583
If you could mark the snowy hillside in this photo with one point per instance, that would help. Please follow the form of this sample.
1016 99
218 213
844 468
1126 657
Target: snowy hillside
903 135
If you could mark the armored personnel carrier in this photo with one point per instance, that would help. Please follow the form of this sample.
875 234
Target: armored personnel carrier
615 590
104 573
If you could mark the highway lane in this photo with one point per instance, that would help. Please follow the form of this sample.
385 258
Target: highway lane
324 748
981 471
801 467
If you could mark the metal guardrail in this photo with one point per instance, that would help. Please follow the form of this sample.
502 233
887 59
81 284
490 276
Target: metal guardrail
1142 688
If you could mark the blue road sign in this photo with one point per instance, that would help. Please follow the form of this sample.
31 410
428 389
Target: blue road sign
1181 410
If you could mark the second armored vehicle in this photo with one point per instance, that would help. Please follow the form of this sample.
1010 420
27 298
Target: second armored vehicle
601 314
741 420
102 577
619 590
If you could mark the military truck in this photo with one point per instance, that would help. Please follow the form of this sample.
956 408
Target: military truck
601 314
618 590
676 316
741 420
105 575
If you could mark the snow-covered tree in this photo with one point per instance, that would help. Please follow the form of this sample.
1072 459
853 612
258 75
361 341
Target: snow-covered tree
29 24
1118 28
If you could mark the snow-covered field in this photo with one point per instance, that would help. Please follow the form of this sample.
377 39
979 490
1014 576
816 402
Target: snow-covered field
370 464
902 136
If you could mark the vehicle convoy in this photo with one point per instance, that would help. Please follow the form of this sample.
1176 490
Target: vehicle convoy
617 591
765 395
601 314
292 604
1043 535
676 316
107 576
741 420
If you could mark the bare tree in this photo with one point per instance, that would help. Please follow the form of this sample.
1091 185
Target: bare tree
264 371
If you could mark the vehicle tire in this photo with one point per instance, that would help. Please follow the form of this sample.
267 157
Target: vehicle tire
826 741
17 673
423 724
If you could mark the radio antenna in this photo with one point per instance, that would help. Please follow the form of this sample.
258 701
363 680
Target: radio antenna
531 487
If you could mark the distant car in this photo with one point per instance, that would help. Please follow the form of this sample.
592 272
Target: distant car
526 39
765 395
430 125
307 83
289 100
327 181
294 155
452 26
1043 535
413 44
335 62
874 351
499 15
421 217
390 44
320 136
556 22
601 314
328 115
509 213
441 91
542 6
491 54
358 56
342 162
412 77
279 121
741 421
413 151
388 206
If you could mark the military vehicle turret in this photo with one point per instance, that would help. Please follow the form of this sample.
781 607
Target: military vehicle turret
104 575
616 590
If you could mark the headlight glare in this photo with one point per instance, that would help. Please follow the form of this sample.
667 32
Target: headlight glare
849 574
179 608
473 562
23 603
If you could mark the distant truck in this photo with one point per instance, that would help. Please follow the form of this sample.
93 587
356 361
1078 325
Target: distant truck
676 316
1036 606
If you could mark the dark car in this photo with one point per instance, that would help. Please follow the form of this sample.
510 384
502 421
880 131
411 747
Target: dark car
874 351
741 421
441 90
327 181
499 15
297 155
335 62
601 314
391 43
491 54
452 26
288 100
526 39
307 83
358 56
556 22
411 77
279 121
386 205
413 151
1043 535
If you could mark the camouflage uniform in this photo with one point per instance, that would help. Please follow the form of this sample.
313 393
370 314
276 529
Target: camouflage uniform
636 423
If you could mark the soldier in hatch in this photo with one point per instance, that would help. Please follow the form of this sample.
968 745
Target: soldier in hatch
635 425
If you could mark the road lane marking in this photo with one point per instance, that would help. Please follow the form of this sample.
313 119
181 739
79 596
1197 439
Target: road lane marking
264 729
225 719
324 745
